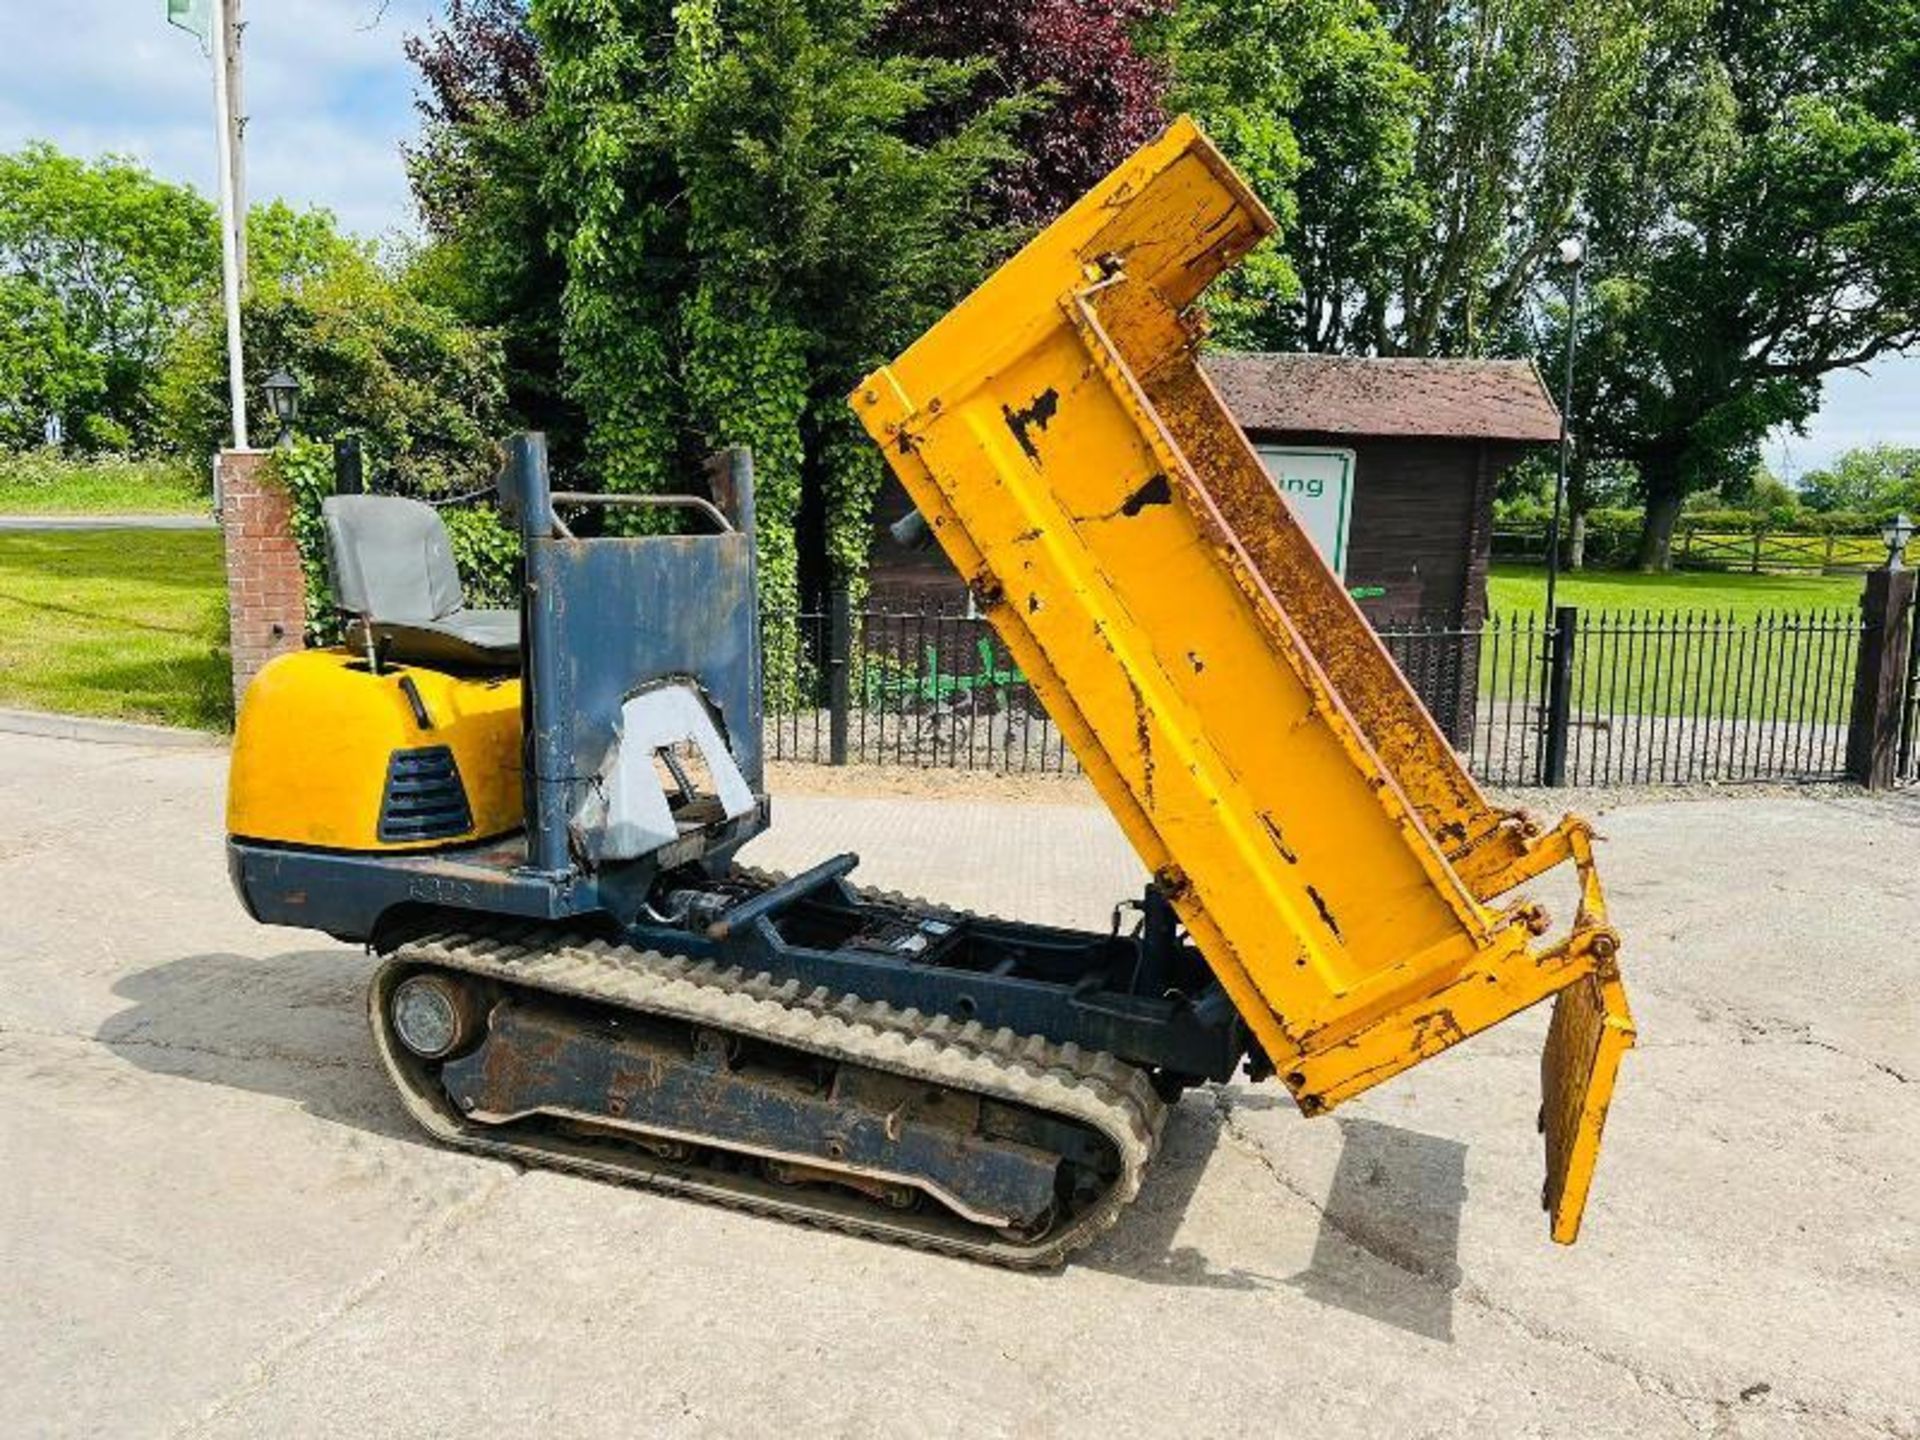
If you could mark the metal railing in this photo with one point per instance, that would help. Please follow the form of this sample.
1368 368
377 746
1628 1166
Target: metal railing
1482 685
1635 698
1640 697
913 688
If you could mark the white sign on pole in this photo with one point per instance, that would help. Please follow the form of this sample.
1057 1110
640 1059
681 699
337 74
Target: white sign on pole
1318 484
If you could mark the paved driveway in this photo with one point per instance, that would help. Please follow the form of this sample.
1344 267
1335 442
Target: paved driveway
215 1221
107 522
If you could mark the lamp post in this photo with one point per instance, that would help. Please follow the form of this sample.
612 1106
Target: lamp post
1894 535
1556 668
283 395
1572 254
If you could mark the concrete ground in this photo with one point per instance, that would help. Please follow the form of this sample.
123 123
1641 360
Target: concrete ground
215 1221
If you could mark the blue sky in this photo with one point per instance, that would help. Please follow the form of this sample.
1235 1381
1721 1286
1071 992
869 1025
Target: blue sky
330 96
328 91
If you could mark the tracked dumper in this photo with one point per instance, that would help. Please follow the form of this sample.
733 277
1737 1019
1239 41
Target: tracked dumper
533 816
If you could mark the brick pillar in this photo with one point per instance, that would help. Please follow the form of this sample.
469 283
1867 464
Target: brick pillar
266 592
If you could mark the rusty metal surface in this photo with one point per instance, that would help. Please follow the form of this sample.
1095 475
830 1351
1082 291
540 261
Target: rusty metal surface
660 1081
1592 1029
1067 1087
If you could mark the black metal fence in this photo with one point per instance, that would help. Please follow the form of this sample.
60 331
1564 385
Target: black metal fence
1594 698
1640 697
914 688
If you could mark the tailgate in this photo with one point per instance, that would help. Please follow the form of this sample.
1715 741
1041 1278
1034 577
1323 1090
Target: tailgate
1592 1028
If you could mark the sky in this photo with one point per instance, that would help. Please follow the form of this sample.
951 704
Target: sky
329 96
330 100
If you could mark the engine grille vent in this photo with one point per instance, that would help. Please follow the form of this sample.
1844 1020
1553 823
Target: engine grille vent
424 799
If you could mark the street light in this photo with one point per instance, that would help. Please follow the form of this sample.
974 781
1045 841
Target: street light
1572 253
1895 535
283 395
1554 667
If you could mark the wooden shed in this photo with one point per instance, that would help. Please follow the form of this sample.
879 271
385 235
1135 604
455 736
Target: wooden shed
1428 439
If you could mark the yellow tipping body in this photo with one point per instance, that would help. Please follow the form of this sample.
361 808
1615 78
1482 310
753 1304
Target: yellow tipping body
314 748
1323 845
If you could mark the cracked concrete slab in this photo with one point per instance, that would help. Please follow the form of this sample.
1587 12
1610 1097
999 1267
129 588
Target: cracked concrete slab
214 1220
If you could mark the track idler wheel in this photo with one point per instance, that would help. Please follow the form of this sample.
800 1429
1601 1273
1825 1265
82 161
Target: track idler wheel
436 1015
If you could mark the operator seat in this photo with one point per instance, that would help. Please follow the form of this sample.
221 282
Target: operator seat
392 570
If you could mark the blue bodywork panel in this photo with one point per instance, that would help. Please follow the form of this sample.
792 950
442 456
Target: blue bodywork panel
608 617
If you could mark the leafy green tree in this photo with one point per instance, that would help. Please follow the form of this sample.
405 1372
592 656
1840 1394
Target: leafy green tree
1315 103
477 174
98 262
1874 480
422 388
747 226
981 119
1423 156
1525 97
1756 225
1359 206
44 371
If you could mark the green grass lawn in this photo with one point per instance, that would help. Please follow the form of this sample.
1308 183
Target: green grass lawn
36 483
132 624
129 624
1524 587
1776 647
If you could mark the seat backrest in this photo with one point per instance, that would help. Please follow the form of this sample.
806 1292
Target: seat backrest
389 558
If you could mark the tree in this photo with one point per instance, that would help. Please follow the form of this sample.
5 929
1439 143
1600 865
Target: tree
1315 104
477 174
1359 206
1424 156
44 371
1524 98
98 261
1878 480
423 389
478 169
1099 96
747 226
1756 226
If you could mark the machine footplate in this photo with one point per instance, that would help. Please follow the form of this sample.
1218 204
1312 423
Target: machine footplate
711 1081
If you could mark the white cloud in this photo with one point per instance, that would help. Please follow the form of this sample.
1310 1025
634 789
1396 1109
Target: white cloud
328 93
1879 404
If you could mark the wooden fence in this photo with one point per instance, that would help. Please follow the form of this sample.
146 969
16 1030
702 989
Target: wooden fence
1758 551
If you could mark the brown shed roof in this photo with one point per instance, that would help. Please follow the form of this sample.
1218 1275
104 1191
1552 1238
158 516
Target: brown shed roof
1347 395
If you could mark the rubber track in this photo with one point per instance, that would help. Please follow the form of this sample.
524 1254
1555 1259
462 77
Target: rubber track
1092 1088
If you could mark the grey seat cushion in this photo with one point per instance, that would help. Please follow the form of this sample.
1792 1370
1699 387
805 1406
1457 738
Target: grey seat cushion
392 568
488 639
